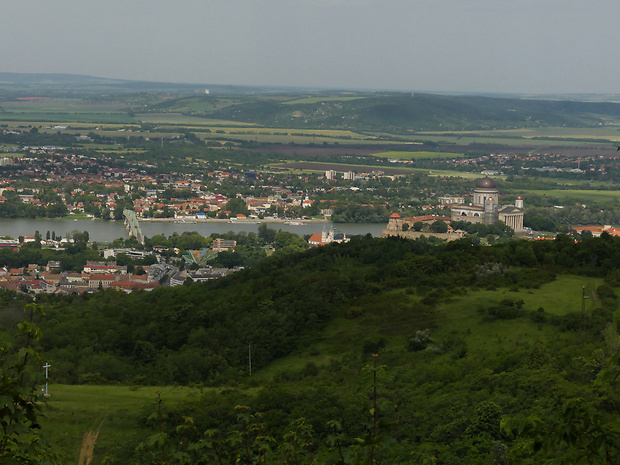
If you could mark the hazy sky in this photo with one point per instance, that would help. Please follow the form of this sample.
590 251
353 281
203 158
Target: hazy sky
530 46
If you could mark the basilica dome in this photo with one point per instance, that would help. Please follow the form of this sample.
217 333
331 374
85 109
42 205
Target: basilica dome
485 183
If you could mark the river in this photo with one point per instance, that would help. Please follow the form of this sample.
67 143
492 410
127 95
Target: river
107 231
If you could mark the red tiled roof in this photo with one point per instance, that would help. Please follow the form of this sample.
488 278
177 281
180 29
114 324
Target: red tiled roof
315 238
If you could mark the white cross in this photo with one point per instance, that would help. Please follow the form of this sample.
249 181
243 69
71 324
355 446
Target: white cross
46 366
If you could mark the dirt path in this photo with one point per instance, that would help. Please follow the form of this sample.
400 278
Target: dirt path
88 445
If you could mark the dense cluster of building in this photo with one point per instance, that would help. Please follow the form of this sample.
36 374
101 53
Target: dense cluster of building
101 187
95 276
100 275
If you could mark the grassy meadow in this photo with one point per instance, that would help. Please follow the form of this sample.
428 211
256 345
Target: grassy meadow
389 317
576 195
72 411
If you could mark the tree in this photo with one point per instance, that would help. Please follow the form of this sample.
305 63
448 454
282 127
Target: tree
289 242
237 206
266 234
20 397
37 240
439 226
81 237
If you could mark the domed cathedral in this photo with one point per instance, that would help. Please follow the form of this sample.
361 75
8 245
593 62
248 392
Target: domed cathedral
486 209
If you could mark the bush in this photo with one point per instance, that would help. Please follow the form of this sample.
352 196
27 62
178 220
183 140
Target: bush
420 341
539 316
353 313
506 310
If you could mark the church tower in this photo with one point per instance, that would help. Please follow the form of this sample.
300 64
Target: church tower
491 207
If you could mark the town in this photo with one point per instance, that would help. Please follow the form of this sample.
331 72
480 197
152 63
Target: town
52 182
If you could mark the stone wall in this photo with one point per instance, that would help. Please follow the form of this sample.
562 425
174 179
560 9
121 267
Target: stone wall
449 236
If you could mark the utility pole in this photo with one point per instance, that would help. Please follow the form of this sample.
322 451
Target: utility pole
250 357
583 307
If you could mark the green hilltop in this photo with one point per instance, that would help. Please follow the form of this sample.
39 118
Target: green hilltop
396 112
364 111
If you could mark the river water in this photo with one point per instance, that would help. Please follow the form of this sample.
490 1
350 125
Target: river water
107 231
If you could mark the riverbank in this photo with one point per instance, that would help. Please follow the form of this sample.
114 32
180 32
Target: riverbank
236 221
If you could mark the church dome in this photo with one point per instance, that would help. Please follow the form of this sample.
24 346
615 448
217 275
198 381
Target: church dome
485 183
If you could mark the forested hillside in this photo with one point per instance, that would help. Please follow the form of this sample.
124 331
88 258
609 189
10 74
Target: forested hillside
462 354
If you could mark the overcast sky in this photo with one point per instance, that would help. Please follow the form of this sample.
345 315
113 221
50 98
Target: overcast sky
523 46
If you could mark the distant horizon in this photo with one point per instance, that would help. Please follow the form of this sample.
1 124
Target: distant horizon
309 88
448 46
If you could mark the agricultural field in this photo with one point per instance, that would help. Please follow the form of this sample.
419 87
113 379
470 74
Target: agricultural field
461 139
287 136
64 111
105 117
58 104
537 138
611 133
48 126
187 120
402 155
310 100
584 196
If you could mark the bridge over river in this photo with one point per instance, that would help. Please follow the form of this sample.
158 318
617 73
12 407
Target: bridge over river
132 225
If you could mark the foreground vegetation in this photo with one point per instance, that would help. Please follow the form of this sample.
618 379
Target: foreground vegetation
461 354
